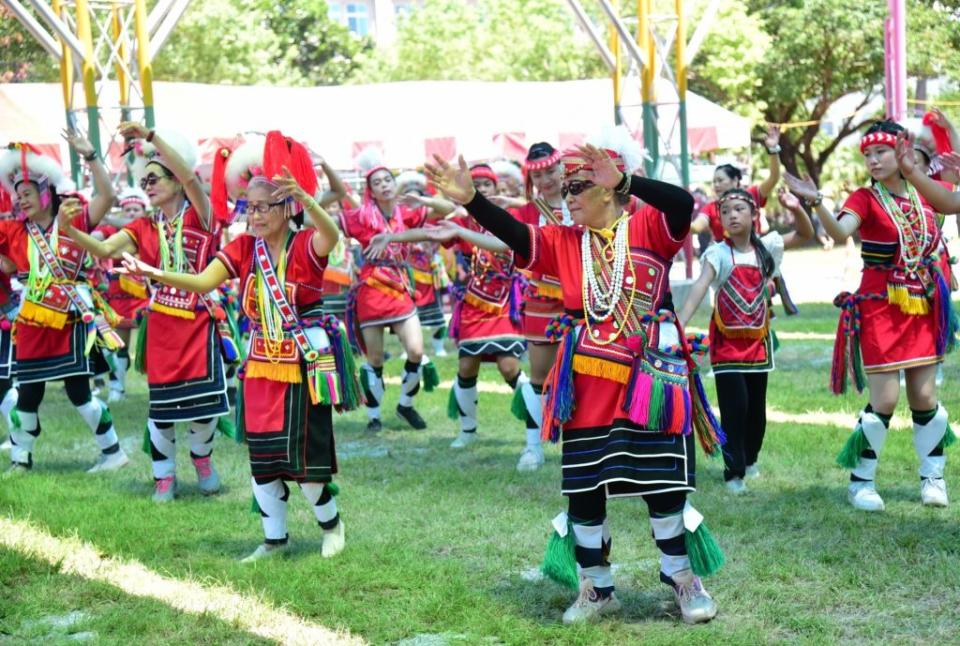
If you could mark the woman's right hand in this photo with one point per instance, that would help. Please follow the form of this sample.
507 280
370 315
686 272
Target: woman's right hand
443 232
133 266
377 247
805 188
453 181
133 130
70 208
787 199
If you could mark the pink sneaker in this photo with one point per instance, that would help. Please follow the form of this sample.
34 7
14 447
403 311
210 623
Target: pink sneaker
164 489
207 476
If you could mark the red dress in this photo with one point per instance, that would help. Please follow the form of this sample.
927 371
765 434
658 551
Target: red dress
384 293
602 447
183 360
126 295
49 338
289 437
486 318
542 297
898 326
425 267
712 212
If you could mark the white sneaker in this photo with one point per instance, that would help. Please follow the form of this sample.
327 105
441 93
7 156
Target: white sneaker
752 472
110 462
6 444
265 551
736 486
116 396
933 492
333 541
530 460
864 496
589 606
463 440
695 603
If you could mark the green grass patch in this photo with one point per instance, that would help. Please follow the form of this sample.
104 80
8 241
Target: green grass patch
447 542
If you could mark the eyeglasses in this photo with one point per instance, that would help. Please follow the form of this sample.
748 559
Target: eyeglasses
576 187
260 207
149 180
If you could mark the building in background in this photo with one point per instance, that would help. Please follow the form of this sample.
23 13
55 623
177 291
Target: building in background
374 18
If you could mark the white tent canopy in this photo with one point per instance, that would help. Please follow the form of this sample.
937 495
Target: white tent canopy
407 120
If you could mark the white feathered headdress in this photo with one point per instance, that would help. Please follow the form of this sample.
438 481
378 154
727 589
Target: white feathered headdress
24 162
620 140
504 168
411 180
145 152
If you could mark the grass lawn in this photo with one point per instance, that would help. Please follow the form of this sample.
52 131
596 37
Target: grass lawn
444 545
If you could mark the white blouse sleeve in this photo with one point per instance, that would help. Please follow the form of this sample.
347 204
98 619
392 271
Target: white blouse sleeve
773 241
719 257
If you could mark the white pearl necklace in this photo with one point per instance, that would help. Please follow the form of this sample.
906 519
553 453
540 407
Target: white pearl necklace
598 303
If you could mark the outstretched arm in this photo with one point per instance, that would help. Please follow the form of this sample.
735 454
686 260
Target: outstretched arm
697 291
207 280
803 227
103 193
772 144
438 208
805 189
338 190
113 247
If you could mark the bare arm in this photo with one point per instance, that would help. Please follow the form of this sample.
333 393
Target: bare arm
697 291
772 142
207 280
805 189
803 227
325 233
439 208
103 195
941 199
338 190
482 240
699 224
113 247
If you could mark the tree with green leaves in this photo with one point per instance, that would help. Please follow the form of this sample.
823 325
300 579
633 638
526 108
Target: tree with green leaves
22 59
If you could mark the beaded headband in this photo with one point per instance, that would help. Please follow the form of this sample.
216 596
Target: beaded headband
542 163
738 194
878 138
483 172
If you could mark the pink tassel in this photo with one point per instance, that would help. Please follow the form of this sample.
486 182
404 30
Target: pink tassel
637 402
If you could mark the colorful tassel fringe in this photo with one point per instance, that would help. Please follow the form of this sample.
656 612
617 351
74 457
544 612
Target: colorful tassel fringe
705 423
558 395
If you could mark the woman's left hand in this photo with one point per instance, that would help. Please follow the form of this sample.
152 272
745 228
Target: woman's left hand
412 200
906 159
605 173
787 199
377 247
773 137
133 266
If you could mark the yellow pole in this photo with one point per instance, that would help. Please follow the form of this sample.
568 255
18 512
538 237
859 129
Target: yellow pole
121 47
66 84
617 72
89 70
143 59
651 138
651 54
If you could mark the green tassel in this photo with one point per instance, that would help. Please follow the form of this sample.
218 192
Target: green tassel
333 488
431 378
441 333
859 377
105 416
227 428
146 441
453 410
774 339
560 561
365 381
517 406
656 404
15 418
254 507
849 456
238 416
949 437
140 359
706 558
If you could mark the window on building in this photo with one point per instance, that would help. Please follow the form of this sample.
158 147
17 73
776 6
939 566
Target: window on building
335 11
357 18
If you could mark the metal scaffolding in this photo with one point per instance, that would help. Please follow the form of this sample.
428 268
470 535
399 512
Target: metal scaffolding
102 42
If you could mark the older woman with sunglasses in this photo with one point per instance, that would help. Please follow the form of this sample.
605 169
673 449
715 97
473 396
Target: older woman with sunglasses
621 387
60 313
181 350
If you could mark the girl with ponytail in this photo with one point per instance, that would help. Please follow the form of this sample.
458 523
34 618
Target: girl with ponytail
740 270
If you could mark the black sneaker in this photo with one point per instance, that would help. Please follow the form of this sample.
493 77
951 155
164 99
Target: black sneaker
412 417
374 426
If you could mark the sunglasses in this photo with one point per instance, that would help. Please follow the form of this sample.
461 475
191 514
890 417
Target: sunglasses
576 187
150 180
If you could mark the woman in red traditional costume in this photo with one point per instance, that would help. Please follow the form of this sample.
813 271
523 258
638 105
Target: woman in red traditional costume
179 344
298 364
383 296
900 318
428 270
60 318
621 387
127 295
741 349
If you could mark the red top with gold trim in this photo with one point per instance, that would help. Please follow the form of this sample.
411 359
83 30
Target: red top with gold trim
712 212
897 302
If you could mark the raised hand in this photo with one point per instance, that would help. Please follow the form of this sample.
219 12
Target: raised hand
133 266
951 161
906 159
288 187
804 188
605 173
78 142
377 247
773 137
453 181
133 130
787 199
412 200
70 208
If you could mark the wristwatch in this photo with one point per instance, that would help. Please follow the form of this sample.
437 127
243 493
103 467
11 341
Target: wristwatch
775 150
815 202
91 157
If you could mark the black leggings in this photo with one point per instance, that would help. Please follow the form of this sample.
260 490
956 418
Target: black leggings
592 505
743 415
77 387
